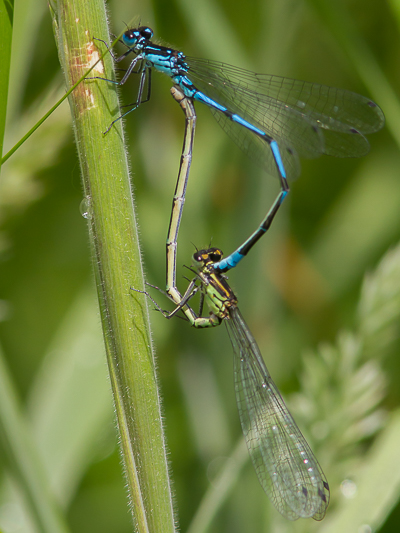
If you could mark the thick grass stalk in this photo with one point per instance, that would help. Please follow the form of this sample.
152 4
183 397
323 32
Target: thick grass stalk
117 263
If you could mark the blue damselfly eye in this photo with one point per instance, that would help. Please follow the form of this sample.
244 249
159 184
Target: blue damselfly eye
131 37
146 32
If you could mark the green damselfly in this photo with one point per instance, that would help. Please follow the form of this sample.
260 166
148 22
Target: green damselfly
284 462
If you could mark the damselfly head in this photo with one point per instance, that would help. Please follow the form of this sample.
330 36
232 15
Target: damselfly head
137 38
205 257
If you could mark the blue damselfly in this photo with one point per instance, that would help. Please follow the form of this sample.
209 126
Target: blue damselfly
274 120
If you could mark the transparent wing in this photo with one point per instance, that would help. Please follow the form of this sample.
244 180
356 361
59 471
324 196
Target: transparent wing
285 465
306 119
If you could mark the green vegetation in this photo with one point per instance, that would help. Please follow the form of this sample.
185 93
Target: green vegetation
321 293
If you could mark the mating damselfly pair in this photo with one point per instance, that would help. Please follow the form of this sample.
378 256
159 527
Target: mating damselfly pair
275 121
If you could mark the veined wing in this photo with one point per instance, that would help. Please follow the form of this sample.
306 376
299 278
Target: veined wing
305 118
285 465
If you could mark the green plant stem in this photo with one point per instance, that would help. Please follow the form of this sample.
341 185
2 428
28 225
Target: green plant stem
117 264
52 109
6 28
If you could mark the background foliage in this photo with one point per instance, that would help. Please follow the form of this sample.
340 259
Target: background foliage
300 287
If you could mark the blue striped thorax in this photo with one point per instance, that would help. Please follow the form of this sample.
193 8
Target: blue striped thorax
162 58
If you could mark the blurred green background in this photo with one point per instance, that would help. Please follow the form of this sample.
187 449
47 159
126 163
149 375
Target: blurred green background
298 288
